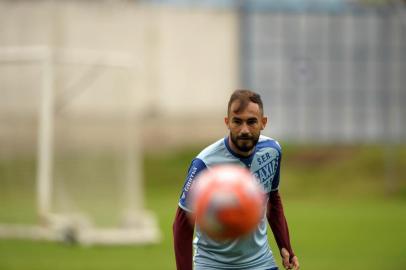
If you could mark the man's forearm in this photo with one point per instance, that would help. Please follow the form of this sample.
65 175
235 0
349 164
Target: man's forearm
182 239
277 221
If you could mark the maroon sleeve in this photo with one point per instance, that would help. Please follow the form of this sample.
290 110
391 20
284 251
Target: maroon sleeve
182 240
277 221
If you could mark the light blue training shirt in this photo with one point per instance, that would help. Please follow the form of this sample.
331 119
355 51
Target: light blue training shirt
252 251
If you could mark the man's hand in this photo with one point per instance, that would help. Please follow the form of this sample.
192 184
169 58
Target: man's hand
289 264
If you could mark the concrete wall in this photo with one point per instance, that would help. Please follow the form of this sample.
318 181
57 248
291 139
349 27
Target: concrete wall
186 63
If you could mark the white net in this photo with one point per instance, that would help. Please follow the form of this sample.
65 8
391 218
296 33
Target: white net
72 147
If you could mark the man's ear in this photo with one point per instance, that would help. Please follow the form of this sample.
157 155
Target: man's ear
226 121
264 121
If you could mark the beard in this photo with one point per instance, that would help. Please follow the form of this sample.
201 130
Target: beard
244 143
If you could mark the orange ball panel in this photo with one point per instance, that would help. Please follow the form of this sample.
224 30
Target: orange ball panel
229 203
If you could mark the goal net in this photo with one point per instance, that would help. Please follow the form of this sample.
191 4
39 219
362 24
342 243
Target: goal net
71 164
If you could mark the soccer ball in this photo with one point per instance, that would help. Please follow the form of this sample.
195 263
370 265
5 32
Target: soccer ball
226 202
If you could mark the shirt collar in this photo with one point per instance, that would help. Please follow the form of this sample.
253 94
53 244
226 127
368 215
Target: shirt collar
246 160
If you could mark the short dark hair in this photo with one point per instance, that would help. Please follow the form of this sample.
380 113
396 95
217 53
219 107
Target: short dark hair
245 96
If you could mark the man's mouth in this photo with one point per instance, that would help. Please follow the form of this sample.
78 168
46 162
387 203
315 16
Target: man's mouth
245 138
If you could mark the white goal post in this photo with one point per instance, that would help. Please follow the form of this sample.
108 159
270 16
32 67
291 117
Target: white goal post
139 225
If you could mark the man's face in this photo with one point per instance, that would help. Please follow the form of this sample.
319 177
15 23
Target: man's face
245 127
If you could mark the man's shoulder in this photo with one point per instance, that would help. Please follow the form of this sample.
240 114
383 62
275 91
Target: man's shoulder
265 141
215 152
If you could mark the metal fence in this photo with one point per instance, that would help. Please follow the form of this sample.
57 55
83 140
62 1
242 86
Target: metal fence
327 75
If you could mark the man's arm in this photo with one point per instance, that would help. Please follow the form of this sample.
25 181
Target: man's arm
279 226
182 226
182 239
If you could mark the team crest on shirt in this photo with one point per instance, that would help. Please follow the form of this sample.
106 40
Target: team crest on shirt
264 167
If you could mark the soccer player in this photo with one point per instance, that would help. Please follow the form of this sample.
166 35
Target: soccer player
262 156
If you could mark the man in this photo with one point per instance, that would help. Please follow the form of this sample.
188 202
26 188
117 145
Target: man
262 155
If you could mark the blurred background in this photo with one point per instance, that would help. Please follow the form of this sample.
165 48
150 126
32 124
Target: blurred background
103 104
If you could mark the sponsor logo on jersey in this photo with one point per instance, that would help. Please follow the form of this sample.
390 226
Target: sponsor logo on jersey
267 171
264 169
190 179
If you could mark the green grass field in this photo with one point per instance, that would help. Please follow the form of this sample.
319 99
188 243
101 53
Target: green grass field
345 206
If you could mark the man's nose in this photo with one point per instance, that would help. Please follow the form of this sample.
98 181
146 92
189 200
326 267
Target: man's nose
244 129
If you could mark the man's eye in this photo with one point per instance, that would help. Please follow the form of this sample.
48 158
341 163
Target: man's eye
252 122
237 121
